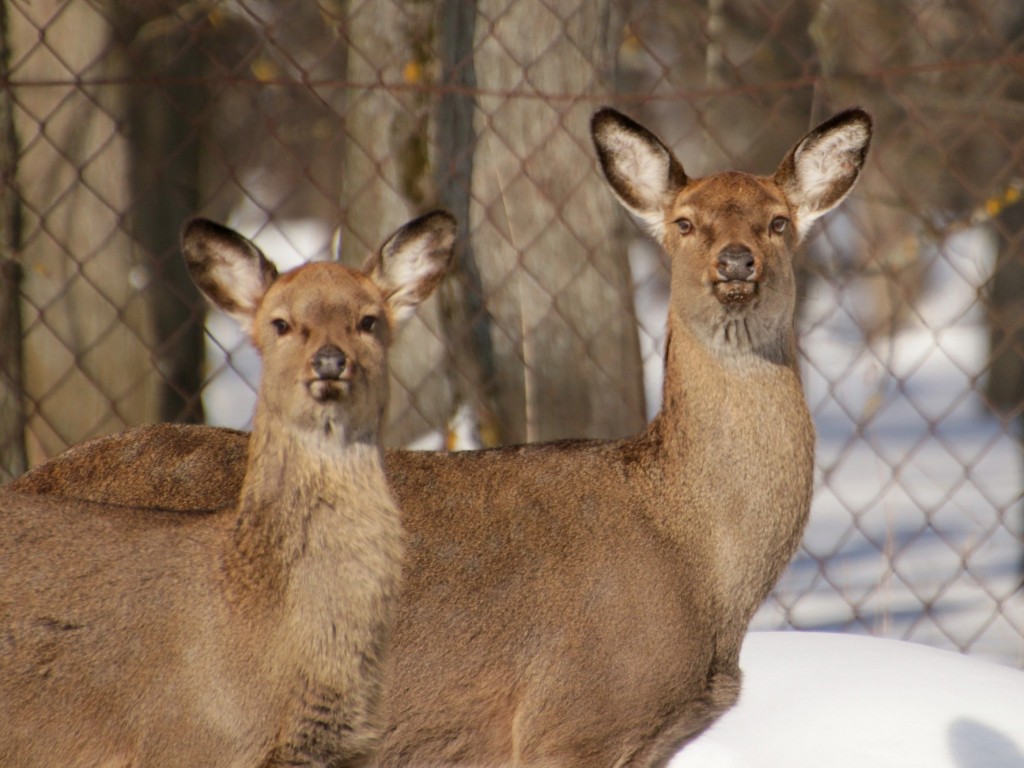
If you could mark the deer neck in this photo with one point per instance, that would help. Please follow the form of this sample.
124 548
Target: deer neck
719 374
736 446
315 517
314 562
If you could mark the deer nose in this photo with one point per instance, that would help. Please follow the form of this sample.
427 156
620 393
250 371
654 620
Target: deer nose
329 362
735 262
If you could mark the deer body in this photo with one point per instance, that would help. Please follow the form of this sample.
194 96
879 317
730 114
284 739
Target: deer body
583 603
248 635
209 667
625 625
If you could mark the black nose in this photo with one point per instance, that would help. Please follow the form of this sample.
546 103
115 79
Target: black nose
735 262
329 362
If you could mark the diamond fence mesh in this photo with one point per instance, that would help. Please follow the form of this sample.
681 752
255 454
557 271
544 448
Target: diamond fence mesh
313 126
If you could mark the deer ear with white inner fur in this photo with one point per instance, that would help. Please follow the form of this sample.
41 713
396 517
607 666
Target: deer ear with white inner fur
821 169
412 262
227 268
643 172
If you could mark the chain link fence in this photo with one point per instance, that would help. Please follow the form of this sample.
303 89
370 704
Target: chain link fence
314 126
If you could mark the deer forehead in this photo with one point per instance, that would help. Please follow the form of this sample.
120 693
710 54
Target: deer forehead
323 294
733 198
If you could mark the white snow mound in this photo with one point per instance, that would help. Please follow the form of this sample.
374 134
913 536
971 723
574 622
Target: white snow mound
817 700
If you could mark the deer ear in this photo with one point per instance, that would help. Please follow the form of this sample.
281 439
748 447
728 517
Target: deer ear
642 172
410 264
822 168
227 268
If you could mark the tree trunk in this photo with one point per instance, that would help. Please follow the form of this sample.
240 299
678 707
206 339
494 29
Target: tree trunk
1005 387
13 459
86 337
165 103
544 226
463 312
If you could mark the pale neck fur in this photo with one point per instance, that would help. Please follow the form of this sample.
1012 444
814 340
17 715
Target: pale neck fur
291 469
318 519
736 422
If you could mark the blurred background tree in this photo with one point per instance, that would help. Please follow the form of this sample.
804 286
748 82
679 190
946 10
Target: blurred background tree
352 117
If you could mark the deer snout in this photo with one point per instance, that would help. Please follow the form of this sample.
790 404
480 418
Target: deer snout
329 362
330 366
735 262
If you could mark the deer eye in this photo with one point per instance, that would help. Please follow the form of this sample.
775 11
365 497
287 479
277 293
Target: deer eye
779 224
685 226
280 326
368 323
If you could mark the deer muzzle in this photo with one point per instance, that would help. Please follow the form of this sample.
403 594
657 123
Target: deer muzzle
330 366
735 275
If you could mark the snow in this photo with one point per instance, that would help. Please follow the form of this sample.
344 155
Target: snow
812 699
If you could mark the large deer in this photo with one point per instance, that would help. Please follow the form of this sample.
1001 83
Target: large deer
252 634
583 603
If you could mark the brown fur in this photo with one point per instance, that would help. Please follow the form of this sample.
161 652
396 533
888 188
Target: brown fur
583 603
248 631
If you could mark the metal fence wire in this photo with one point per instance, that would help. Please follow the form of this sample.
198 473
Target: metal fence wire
309 125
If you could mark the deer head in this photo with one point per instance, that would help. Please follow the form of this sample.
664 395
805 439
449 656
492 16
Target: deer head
732 236
322 329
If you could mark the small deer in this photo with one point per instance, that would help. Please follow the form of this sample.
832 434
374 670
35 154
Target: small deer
249 635
583 603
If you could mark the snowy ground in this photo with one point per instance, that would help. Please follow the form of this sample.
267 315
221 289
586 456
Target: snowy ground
815 700
914 532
